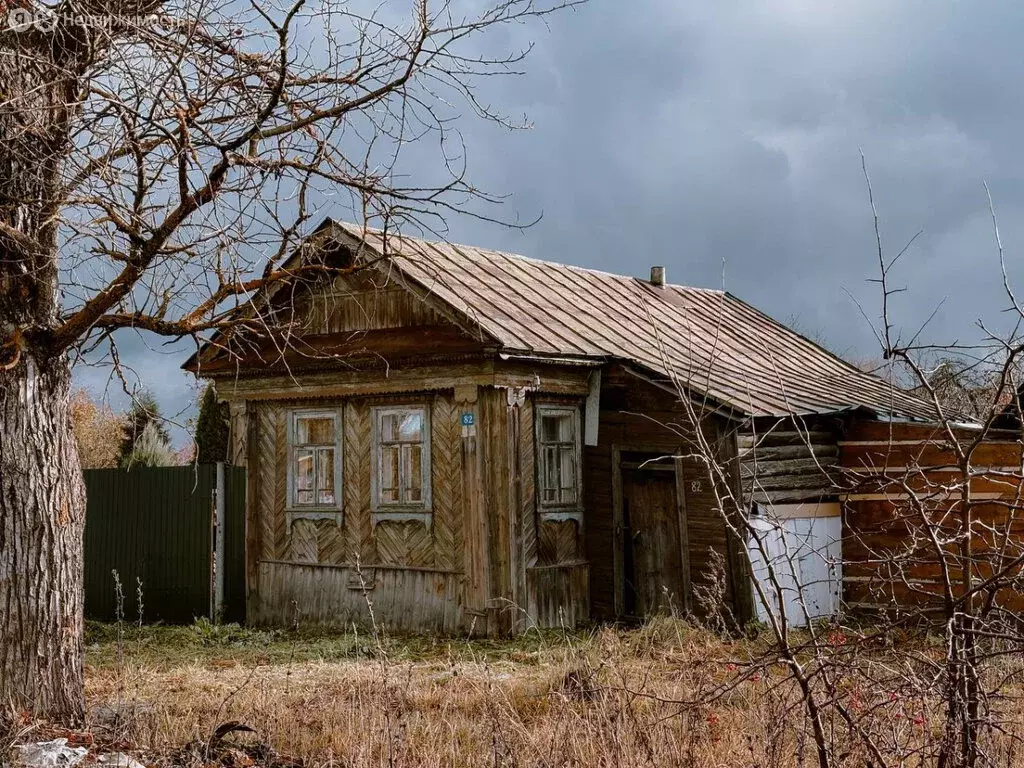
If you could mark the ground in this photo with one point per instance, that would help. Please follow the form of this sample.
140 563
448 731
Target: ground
602 697
663 694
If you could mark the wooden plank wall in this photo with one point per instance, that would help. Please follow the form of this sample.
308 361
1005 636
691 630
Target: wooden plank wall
402 599
511 570
364 301
903 479
552 559
635 415
408 544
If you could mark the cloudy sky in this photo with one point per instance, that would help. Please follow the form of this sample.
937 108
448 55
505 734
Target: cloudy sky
723 140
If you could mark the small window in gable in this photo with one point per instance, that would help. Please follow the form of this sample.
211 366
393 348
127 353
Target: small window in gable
401 442
314 467
558 456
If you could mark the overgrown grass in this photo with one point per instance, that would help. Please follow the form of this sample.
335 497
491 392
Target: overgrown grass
593 697
665 693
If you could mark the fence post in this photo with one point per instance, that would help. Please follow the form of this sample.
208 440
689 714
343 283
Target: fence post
219 565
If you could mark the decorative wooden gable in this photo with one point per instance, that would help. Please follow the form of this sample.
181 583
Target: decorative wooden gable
371 316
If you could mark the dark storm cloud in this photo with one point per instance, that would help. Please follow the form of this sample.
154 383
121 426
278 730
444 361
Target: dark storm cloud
725 137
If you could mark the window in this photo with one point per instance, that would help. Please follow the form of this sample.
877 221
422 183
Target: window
558 441
401 459
314 467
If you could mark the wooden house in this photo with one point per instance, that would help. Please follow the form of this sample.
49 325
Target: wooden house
468 440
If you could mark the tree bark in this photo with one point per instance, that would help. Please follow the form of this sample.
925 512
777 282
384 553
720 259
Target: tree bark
42 495
42 518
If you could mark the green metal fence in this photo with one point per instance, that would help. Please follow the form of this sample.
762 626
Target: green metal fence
157 529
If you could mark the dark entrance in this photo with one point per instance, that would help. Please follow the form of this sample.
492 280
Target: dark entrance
652 560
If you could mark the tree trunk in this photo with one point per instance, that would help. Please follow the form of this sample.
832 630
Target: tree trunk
42 518
42 496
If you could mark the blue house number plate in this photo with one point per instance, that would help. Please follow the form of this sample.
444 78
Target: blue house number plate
468 420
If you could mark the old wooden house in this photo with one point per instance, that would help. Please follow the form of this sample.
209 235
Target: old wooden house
470 440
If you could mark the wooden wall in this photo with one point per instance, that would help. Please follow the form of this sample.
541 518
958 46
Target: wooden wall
637 416
490 561
402 545
367 300
904 485
783 462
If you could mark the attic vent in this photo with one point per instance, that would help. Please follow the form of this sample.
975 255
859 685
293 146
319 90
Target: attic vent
658 276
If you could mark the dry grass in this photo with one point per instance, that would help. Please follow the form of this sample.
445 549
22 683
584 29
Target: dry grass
601 698
663 694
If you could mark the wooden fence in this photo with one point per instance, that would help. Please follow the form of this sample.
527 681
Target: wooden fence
169 540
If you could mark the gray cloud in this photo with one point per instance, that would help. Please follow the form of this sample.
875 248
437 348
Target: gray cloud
725 136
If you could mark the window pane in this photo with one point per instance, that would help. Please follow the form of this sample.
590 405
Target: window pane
304 469
317 430
549 476
304 497
567 467
389 460
556 428
411 427
388 428
414 478
325 475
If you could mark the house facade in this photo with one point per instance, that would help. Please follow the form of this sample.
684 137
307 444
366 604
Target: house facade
459 440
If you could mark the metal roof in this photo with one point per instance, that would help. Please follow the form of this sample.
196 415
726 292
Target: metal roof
707 340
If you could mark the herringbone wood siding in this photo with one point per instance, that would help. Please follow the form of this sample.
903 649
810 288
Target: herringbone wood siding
357 482
559 542
446 466
239 430
408 543
271 457
330 543
528 474
302 544
404 543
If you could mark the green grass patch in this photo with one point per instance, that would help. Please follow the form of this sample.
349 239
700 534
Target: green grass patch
166 646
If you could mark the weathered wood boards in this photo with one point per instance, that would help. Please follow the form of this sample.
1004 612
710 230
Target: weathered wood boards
913 528
640 424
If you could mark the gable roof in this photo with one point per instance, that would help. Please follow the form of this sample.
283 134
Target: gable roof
706 340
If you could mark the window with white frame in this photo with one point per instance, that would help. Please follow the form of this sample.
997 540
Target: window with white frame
558 456
401 448
314 466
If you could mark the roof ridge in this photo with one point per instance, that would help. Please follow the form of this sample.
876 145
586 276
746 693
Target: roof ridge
517 256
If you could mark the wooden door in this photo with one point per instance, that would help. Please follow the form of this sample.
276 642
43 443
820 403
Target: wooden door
654 571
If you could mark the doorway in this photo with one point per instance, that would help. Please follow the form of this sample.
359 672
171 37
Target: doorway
652 559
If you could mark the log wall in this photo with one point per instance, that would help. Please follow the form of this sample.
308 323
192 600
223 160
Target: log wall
787 462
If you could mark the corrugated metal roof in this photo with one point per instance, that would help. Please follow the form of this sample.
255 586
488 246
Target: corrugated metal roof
707 340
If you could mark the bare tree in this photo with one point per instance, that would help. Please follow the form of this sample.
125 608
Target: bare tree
926 666
159 161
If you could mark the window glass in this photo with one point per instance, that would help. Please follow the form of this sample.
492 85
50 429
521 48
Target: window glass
313 456
559 448
402 457
314 430
325 475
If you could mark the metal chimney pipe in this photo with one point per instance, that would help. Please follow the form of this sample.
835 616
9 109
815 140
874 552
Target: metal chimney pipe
658 276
